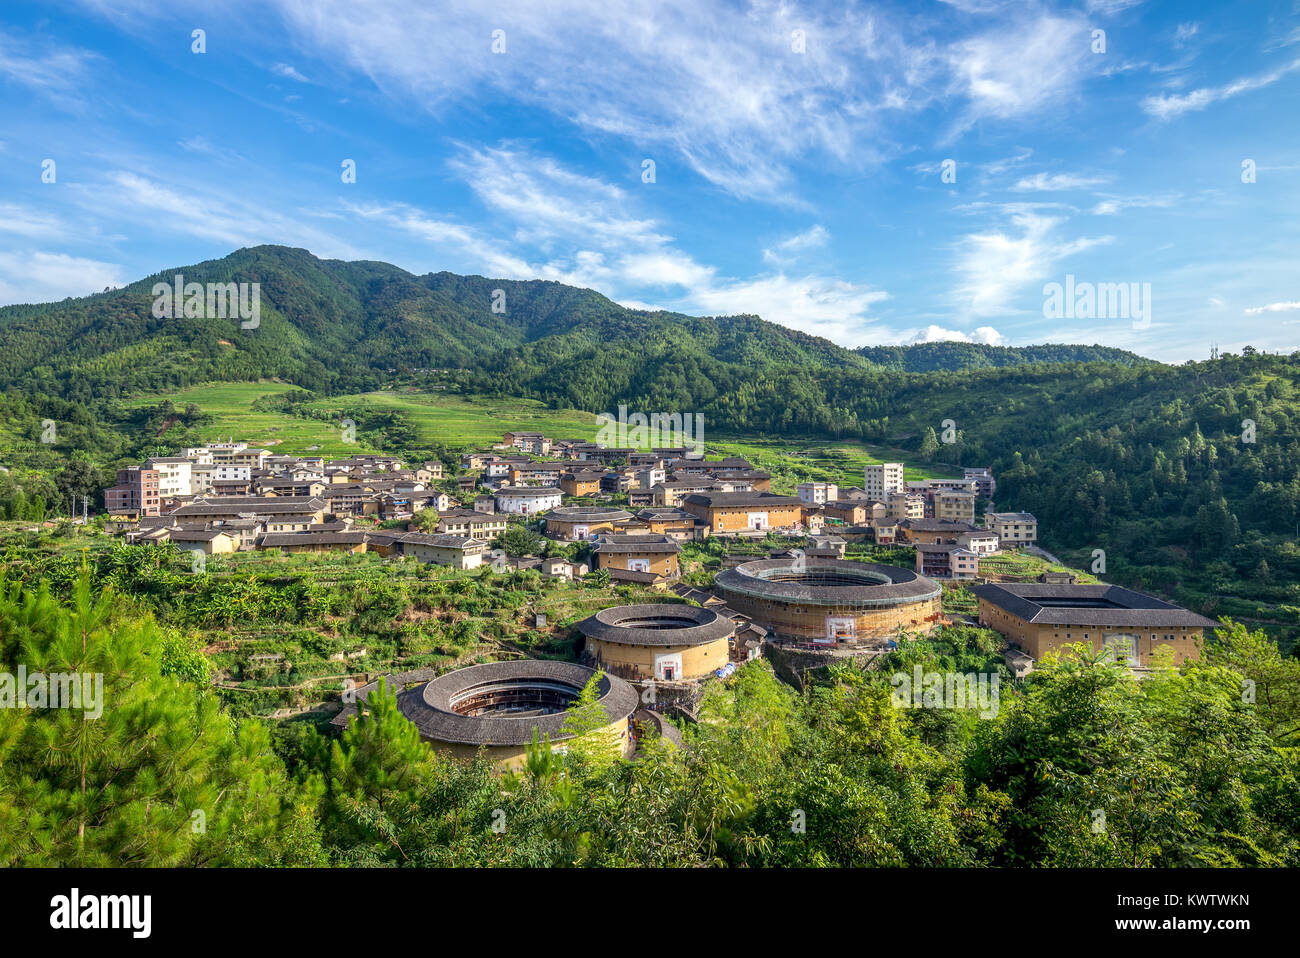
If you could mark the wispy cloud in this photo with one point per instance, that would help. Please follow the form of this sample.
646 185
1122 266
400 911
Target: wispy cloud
995 265
1174 105
1057 182
288 72
59 74
793 246
1273 308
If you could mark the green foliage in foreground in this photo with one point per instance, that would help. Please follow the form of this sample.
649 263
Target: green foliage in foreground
1081 766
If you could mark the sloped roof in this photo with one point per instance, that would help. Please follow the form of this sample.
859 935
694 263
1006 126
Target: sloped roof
1048 603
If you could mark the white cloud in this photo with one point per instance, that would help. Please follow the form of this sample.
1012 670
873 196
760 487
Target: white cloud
34 276
33 224
1167 107
1015 72
1110 205
793 246
1273 308
996 264
231 220
58 74
1044 182
937 334
288 72
835 309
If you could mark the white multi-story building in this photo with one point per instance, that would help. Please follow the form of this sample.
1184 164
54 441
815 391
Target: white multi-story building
818 493
227 473
173 475
201 455
881 479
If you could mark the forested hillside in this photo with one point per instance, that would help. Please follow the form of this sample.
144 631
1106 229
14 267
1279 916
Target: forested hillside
930 357
1142 460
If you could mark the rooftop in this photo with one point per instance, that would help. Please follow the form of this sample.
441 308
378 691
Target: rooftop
664 624
1072 604
438 708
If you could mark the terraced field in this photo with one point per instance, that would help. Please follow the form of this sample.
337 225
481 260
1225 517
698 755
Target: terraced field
476 421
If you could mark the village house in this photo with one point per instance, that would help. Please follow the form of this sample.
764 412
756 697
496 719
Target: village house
906 505
932 531
207 541
955 505
580 482
276 513
648 559
980 541
1013 528
672 493
1040 617
985 484
471 523
818 493
535 474
532 442
880 479
312 542
674 523
732 512
575 522
459 552
136 494
946 561
173 475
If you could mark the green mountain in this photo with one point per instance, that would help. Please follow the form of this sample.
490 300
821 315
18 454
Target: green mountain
1187 477
334 326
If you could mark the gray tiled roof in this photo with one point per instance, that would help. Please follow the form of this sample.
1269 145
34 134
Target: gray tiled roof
679 624
636 543
429 705
883 586
1125 607
739 500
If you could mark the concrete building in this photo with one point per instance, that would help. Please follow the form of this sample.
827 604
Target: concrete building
818 493
985 484
880 479
173 475
1013 528
136 494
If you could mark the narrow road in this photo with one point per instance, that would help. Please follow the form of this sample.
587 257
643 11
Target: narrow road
1043 554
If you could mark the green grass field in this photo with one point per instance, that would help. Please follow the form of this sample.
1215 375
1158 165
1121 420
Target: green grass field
477 421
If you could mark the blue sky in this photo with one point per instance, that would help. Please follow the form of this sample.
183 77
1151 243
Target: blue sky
798 154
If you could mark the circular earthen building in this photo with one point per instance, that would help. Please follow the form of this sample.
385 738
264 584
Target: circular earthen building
831 602
497 707
668 642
